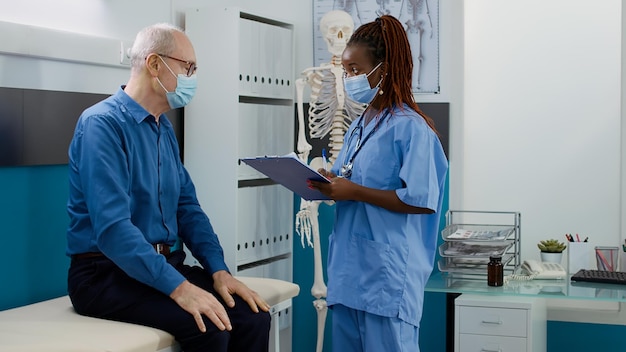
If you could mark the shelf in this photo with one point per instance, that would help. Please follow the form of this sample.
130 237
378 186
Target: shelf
469 249
485 233
472 266
471 237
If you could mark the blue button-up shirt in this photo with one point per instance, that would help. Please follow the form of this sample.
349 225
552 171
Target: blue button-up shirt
129 189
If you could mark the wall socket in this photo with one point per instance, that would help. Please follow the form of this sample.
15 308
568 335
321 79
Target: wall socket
125 52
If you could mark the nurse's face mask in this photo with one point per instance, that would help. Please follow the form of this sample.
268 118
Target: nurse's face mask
358 87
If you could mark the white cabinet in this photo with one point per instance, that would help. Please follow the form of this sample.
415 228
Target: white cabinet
243 107
499 324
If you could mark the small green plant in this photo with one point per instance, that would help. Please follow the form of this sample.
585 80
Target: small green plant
551 246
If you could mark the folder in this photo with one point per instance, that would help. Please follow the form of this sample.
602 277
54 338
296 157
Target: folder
291 172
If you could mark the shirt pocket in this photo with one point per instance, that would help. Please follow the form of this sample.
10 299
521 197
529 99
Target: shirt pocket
379 167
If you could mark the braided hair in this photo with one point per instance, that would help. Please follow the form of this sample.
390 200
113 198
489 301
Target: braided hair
386 41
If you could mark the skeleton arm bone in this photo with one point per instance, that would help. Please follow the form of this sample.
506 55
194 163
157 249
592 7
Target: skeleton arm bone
319 287
304 148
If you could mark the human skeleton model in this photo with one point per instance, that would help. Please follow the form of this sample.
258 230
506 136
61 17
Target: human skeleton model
329 112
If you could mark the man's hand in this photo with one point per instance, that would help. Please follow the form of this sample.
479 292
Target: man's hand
226 285
199 302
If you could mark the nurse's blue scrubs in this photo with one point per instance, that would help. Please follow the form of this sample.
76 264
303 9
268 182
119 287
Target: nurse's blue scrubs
379 260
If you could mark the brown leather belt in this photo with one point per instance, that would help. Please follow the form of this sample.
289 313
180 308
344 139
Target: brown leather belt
160 248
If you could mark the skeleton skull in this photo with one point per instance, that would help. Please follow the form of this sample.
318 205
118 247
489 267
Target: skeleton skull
336 26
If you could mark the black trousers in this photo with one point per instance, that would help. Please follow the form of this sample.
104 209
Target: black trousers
98 288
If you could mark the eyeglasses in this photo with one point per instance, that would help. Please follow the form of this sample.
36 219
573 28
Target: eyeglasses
192 65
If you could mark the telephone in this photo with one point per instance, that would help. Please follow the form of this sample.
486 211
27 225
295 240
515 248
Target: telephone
539 270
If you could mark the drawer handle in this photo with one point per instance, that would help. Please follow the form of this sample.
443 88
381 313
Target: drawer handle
486 350
499 322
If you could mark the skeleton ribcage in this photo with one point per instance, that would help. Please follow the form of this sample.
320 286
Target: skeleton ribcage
327 113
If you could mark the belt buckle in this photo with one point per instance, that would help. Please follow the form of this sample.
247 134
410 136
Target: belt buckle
159 248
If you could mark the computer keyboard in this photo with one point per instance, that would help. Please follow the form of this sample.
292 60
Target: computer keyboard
608 277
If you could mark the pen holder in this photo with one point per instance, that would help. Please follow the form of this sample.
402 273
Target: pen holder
606 258
579 256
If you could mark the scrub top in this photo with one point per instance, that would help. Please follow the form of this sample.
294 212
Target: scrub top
379 260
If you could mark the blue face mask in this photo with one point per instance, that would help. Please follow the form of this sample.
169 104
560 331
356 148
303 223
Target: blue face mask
185 89
358 87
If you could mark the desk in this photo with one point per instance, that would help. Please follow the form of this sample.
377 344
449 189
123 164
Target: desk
564 289
554 289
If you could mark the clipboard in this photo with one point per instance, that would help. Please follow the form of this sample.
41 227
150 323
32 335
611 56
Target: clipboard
290 172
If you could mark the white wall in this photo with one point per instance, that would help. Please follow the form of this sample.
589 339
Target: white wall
120 19
541 117
623 130
117 19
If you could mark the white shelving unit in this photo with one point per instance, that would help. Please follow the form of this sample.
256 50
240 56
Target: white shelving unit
243 107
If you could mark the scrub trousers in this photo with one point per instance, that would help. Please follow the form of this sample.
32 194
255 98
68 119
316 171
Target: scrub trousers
99 288
358 331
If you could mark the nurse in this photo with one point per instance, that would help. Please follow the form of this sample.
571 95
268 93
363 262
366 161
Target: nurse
388 184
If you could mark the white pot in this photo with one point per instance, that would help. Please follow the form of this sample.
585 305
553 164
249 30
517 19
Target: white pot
551 257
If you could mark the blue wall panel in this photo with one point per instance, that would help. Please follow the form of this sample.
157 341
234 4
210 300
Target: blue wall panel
569 337
33 221
433 324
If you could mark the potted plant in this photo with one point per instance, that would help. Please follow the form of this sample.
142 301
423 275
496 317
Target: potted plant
551 250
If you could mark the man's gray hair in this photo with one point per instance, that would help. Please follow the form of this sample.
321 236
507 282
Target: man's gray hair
157 38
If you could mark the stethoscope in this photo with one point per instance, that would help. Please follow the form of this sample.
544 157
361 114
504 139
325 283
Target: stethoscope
346 167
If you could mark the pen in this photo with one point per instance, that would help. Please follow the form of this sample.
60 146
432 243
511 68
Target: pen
605 263
577 238
324 159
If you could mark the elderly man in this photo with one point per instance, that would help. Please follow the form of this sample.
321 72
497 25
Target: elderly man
132 204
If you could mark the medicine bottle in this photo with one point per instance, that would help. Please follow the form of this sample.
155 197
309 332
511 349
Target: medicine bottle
495 271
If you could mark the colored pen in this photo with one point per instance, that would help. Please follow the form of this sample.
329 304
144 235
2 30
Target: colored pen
577 238
324 159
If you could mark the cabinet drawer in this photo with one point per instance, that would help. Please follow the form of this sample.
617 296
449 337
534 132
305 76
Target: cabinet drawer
493 321
485 343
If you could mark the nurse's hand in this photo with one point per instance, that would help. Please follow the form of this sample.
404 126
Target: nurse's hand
329 175
339 188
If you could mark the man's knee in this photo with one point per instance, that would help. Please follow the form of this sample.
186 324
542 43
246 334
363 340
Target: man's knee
258 321
211 340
